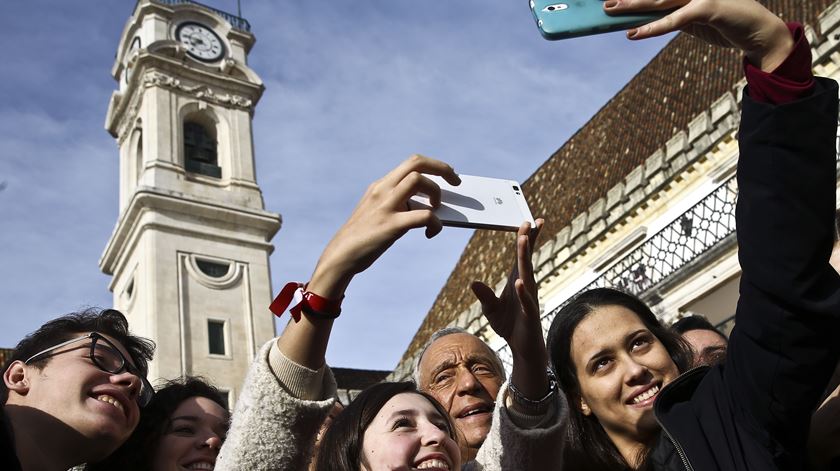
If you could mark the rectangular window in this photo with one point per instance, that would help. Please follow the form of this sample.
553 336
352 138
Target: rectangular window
216 337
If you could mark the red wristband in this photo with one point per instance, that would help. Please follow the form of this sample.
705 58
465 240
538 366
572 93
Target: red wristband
295 294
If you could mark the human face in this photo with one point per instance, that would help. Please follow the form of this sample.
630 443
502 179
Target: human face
460 371
709 347
408 433
100 406
106 356
621 367
193 437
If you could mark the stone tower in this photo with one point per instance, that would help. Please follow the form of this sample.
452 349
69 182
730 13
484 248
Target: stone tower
189 253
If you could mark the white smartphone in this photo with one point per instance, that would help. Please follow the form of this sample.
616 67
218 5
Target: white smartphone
478 202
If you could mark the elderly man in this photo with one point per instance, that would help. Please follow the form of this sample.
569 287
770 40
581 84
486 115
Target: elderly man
465 375
290 389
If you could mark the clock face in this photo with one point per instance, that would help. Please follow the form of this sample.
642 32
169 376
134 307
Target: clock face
201 42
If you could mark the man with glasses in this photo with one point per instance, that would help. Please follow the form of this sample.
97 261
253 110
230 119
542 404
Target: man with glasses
72 392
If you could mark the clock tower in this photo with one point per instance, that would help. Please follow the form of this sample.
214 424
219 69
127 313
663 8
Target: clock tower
189 253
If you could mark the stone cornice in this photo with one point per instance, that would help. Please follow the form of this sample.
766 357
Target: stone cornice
200 91
253 227
154 70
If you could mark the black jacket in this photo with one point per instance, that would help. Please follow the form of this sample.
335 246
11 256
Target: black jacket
8 457
753 412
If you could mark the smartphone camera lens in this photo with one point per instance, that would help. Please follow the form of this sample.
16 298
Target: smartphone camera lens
556 7
515 188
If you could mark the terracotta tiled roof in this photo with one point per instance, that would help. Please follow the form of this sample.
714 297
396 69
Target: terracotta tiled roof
638 120
5 353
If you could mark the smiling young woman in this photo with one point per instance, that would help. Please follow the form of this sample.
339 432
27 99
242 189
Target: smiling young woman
391 426
183 427
612 357
633 404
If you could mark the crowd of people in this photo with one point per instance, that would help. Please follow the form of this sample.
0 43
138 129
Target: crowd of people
611 388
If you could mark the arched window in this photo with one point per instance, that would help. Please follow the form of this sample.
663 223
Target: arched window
139 164
213 269
200 150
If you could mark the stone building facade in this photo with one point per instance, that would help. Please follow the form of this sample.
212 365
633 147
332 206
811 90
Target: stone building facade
642 197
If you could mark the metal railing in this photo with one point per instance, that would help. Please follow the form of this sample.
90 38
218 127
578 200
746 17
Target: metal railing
683 240
686 238
235 21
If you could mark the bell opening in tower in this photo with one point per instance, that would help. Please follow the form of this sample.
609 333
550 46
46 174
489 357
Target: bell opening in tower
200 150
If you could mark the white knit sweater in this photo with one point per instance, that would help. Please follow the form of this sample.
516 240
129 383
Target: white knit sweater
283 404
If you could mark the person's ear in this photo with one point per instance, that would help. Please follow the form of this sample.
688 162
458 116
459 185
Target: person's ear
584 407
16 378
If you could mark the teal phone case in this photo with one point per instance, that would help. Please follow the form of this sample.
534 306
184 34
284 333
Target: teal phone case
558 19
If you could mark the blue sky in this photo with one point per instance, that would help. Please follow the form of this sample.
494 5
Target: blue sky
352 88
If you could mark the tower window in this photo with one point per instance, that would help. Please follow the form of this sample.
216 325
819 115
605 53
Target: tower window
139 157
129 291
216 337
212 269
200 154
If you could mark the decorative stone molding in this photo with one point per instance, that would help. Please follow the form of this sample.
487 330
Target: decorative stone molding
227 65
129 121
675 146
202 92
166 47
230 279
653 165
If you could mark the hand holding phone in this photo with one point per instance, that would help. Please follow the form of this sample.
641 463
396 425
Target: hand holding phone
478 202
561 19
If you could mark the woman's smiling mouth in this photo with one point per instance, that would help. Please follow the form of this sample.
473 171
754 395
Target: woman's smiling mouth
645 397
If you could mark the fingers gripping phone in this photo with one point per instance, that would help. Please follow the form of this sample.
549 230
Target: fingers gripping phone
558 19
478 202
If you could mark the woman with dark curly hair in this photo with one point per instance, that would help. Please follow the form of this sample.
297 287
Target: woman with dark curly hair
183 427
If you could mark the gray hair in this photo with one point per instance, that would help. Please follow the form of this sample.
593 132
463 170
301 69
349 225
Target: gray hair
443 333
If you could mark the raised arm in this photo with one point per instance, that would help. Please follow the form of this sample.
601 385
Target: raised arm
784 346
741 24
381 217
289 389
515 316
529 427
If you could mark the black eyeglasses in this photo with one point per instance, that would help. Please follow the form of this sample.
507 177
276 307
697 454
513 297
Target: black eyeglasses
107 358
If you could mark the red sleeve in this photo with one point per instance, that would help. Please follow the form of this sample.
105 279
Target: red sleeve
791 80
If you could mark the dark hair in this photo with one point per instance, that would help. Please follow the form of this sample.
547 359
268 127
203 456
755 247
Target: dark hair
138 452
588 445
109 322
342 443
694 322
